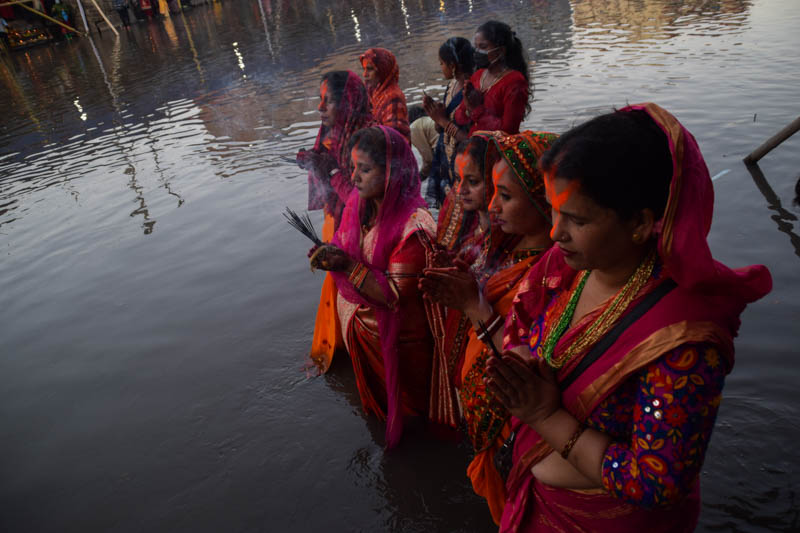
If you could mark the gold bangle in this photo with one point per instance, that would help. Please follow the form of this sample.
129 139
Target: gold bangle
572 440
358 275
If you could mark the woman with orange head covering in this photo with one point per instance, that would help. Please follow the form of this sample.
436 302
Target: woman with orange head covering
381 75
483 295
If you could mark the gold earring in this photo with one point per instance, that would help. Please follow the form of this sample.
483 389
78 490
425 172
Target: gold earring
636 238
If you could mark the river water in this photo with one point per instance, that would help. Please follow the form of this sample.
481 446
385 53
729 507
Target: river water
155 309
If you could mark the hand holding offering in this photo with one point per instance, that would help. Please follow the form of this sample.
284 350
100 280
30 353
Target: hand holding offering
451 287
329 257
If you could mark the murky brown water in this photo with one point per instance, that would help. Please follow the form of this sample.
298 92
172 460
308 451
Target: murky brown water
155 309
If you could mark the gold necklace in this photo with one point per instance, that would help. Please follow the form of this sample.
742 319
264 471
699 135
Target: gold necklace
607 318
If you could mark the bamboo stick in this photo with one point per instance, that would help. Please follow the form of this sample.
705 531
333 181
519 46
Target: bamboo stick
105 18
773 142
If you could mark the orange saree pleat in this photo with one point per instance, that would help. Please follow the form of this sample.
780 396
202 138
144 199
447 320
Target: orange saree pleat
327 331
487 420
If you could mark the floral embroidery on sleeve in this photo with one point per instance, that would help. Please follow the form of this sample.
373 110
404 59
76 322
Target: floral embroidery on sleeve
658 449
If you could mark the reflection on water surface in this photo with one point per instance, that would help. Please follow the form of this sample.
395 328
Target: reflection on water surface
157 307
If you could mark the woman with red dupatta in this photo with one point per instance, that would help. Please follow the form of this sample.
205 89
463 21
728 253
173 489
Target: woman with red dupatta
343 110
376 259
381 74
522 217
496 96
622 334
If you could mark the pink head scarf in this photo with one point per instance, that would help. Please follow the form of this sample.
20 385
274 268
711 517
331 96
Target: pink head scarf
401 199
682 232
352 114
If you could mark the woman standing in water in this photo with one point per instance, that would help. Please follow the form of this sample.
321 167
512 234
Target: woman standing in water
376 259
496 96
485 294
381 74
621 335
343 110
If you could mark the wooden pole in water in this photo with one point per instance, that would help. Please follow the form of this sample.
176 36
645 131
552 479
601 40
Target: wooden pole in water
772 142
83 16
105 18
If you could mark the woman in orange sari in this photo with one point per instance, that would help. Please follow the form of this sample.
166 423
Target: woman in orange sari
343 109
381 74
621 336
520 211
376 258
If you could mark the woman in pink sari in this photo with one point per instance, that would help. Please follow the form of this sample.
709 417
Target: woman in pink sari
376 259
619 339
343 110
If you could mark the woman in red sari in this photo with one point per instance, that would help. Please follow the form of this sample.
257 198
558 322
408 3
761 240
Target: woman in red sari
485 295
464 216
381 74
343 110
496 96
621 335
376 259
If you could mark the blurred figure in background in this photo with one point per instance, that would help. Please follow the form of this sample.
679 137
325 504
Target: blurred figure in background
456 62
381 75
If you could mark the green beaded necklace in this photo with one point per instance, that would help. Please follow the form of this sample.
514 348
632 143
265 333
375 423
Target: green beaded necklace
563 321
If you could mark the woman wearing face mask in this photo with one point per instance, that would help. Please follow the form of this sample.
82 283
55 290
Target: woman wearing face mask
343 110
621 336
496 96
485 293
376 259
388 103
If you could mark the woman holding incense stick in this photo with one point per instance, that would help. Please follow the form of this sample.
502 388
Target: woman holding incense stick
478 299
619 339
343 110
376 259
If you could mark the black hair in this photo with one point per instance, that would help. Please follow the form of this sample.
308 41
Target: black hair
458 51
415 112
372 141
622 161
336 80
500 34
476 147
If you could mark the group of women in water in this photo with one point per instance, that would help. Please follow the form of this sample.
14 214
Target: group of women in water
564 310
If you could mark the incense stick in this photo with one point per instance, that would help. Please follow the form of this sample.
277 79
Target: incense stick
303 225
485 332
423 236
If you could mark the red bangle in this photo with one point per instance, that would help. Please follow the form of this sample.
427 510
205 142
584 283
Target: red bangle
358 275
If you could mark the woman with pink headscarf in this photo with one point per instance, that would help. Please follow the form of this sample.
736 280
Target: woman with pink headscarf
343 110
376 258
619 339
381 74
